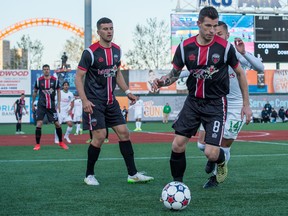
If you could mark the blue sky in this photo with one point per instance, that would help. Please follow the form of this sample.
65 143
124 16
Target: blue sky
126 14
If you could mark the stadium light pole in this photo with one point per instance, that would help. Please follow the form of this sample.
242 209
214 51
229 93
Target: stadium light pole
88 20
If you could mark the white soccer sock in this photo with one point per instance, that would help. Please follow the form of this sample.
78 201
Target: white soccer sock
137 124
68 131
140 123
56 137
201 146
77 128
227 153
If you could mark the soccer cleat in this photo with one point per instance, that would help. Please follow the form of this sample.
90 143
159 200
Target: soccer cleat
106 140
76 134
67 139
139 129
91 180
63 145
17 132
89 141
210 166
21 132
36 147
136 129
81 131
56 141
222 172
212 182
139 177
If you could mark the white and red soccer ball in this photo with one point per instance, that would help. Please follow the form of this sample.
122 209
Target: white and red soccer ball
176 195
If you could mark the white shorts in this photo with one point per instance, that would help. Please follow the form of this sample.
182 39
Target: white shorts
233 124
64 117
77 118
138 115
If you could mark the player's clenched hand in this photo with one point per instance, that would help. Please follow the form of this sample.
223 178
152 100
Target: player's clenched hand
156 84
246 110
87 106
132 98
240 46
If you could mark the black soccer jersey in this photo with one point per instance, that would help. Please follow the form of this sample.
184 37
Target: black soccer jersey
47 91
101 65
20 104
208 66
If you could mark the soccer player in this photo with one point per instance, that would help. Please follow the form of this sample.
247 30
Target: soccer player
64 116
207 57
77 113
100 64
234 120
47 86
19 105
138 113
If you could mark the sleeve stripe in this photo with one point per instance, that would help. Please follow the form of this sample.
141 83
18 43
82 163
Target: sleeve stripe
92 55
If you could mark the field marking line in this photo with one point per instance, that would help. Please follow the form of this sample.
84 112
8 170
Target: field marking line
137 158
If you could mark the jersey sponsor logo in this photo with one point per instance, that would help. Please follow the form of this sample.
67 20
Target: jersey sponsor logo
48 91
215 58
110 72
204 73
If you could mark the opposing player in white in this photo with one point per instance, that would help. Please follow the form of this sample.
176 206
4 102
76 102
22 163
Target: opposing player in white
77 113
66 106
138 113
234 120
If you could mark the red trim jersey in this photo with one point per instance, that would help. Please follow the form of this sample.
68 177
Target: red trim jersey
47 91
20 104
101 65
208 66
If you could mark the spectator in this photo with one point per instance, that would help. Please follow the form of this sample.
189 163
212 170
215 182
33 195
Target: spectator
281 113
268 107
125 113
166 112
274 115
265 116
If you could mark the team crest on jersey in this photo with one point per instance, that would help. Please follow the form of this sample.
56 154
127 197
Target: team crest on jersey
215 58
116 58
93 122
192 57
100 59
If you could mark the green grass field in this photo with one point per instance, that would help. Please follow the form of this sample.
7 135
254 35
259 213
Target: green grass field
50 181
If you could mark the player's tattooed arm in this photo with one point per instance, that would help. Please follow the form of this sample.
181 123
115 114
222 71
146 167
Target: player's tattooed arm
170 78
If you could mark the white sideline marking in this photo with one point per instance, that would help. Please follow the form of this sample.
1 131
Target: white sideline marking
263 142
137 158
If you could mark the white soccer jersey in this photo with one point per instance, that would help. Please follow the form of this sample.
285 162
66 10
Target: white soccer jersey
66 100
77 110
234 98
138 108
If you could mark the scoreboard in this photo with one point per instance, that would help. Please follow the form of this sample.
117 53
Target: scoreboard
271 28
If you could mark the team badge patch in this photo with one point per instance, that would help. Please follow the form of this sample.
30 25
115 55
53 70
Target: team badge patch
215 58
93 122
100 59
192 57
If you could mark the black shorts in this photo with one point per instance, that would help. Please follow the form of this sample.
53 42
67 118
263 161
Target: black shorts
18 116
211 113
51 114
103 116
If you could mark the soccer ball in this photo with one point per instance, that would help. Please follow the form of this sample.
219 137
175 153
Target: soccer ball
176 195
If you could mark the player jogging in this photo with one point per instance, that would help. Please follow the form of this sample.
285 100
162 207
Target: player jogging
234 120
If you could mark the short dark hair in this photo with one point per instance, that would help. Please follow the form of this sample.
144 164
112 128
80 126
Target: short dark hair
209 12
45 65
103 20
65 83
22 94
221 23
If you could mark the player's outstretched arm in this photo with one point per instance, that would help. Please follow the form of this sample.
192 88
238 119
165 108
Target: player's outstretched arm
246 110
